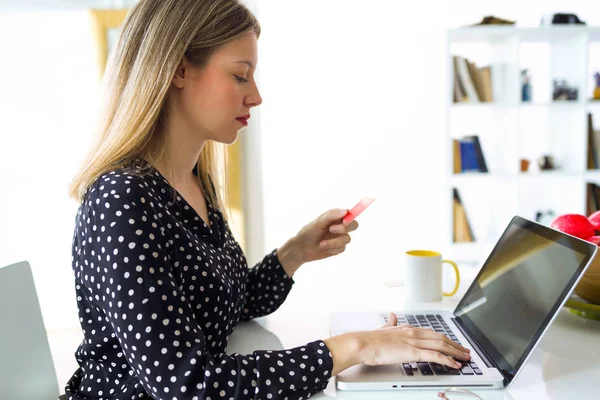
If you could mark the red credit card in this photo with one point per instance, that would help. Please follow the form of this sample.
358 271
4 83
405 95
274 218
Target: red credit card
357 209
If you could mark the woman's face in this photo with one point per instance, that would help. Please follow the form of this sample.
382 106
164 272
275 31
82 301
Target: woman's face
215 101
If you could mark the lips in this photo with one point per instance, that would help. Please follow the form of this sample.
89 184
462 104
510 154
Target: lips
244 119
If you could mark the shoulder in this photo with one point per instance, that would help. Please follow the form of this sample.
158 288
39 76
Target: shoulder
130 184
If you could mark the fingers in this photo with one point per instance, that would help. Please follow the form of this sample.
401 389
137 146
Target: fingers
335 243
331 216
440 346
392 321
343 228
434 356
336 251
424 333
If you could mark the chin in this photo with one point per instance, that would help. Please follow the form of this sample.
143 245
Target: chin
231 139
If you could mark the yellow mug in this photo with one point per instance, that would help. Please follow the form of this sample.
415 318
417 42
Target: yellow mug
423 276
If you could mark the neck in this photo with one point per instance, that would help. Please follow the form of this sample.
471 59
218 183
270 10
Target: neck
183 150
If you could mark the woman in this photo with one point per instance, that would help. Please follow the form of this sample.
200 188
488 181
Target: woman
160 281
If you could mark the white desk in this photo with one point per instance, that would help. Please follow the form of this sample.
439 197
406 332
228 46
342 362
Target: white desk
565 363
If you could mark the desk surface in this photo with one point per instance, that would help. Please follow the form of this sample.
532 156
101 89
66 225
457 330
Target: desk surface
565 360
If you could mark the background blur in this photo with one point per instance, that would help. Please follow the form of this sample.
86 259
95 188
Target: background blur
354 104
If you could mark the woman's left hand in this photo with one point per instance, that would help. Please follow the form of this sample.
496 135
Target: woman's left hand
326 236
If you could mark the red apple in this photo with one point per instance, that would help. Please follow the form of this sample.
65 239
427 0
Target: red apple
595 220
595 240
574 224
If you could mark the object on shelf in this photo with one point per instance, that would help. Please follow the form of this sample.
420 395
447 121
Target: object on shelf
546 162
462 229
596 95
525 165
525 85
593 142
560 19
491 20
468 155
471 83
545 217
592 198
584 228
562 91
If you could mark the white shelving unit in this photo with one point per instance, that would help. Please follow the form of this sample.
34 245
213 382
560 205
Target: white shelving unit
510 130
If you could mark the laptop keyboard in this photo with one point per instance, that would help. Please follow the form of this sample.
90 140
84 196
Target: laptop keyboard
437 323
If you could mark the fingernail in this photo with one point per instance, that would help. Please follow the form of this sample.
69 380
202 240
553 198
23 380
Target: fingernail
343 212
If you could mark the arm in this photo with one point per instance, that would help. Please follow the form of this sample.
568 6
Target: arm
157 330
267 287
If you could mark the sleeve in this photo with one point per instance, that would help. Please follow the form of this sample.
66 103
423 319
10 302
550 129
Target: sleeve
267 287
133 282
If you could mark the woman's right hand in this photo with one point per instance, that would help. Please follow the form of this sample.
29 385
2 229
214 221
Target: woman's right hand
393 344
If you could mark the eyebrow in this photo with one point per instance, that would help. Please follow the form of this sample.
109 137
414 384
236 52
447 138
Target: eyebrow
248 63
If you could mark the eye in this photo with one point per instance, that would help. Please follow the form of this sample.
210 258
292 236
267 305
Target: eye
240 79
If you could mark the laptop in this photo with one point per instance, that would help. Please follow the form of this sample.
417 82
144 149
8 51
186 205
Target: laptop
516 295
26 367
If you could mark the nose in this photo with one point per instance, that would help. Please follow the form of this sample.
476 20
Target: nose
254 99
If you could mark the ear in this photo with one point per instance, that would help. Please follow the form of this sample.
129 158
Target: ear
179 78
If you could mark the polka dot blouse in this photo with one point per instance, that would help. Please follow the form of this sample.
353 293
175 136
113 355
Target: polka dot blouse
159 291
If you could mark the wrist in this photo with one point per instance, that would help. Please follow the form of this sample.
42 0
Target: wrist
361 346
347 349
290 257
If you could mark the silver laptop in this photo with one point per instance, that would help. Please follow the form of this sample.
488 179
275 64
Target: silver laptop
518 292
26 368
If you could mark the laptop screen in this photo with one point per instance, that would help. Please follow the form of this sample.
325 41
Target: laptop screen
519 289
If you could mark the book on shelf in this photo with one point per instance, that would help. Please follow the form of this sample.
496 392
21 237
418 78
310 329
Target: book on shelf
462 231
471 83
592 198
468 155
593 142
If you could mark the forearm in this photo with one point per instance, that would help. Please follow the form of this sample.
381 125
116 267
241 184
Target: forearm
346 350
290 257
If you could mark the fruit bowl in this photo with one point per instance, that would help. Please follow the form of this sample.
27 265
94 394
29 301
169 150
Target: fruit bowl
579 306
588 287
585 228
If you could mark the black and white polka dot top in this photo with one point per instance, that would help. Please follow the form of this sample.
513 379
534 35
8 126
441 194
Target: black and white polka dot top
159 292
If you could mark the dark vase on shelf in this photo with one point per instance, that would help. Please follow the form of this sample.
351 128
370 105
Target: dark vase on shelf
546 163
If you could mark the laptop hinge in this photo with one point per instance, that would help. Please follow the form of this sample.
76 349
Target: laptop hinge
486 359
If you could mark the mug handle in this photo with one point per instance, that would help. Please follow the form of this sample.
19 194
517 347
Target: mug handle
457 278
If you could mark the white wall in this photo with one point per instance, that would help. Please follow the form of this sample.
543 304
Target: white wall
352 106
65 5
48 80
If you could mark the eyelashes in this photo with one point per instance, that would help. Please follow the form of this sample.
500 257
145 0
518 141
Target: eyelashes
240 79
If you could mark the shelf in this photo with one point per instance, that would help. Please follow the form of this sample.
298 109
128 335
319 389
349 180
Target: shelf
482 105
554 33
593 174
566 105
509 129
480 34
491 34
465 176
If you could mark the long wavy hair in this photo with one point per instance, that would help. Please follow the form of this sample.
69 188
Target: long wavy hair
155 37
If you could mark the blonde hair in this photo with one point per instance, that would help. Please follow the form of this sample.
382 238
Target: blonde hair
155 37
